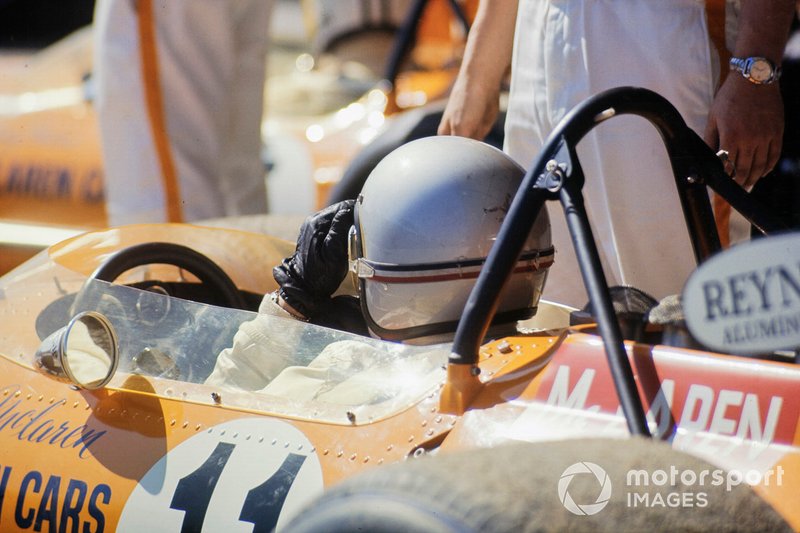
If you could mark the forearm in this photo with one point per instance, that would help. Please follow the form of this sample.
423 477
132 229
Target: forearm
763 28
474 100
488 51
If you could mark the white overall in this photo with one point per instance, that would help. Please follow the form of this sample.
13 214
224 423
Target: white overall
568 50
211 63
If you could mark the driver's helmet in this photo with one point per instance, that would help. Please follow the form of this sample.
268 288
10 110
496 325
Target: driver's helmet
425 221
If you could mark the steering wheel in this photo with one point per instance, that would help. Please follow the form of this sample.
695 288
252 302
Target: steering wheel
197 264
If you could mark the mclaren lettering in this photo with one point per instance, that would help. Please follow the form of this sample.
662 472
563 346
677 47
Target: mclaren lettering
48 182
40 426
39 181
740 414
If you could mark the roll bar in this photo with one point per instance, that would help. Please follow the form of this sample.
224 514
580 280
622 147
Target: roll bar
557 175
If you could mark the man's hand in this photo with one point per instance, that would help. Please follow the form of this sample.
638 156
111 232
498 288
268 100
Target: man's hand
471 110
312 274
747 120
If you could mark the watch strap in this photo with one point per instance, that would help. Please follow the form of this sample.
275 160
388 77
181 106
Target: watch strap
744 66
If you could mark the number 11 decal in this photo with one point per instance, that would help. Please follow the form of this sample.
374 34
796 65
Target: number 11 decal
263 504
242 476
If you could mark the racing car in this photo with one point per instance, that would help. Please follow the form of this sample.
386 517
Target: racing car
137 440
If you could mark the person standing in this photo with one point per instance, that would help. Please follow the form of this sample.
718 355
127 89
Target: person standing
564 51
179 98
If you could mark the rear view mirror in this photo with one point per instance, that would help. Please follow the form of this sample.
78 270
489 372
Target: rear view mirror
84 353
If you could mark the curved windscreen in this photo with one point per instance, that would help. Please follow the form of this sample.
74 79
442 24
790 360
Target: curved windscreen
210 354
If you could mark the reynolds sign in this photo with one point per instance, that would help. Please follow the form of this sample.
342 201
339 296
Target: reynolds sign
746 300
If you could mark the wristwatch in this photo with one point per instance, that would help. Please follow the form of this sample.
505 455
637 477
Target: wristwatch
758 70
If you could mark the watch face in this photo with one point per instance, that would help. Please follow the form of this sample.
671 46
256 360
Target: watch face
760 71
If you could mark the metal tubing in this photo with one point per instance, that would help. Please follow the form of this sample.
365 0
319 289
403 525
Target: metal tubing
694 165
595 282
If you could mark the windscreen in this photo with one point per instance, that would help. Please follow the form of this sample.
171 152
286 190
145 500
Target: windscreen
194 351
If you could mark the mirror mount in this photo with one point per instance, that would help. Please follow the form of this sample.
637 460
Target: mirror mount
84 353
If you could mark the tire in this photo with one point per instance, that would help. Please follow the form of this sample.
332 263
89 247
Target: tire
515 488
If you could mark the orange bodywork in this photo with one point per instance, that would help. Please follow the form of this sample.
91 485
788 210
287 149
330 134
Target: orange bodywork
108 459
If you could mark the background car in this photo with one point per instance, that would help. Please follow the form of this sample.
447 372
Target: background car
324 104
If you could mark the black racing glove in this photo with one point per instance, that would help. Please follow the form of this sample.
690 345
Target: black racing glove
312 274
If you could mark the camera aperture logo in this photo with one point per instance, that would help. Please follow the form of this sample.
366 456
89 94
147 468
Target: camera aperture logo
584 509
670 487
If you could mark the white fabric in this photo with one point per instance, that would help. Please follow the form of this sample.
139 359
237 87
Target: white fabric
344 373
212 56
568 50
257 355
263 358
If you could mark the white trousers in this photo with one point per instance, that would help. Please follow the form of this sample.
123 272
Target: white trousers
568 50
209 81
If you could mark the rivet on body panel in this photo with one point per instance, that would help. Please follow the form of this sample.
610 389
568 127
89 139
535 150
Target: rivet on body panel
504 347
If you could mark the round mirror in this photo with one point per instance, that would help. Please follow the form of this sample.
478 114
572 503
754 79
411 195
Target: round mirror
83 353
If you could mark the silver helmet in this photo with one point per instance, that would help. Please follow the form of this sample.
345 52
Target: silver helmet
425 221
